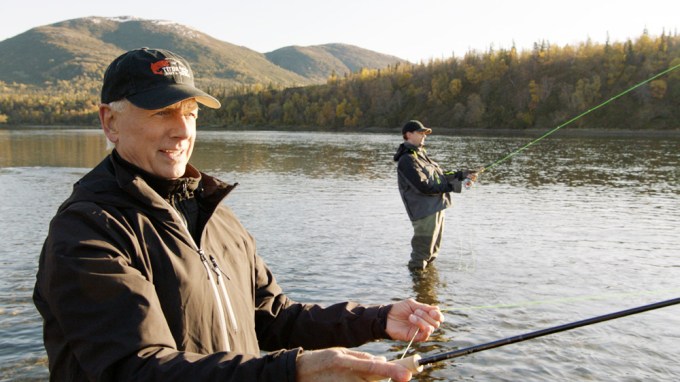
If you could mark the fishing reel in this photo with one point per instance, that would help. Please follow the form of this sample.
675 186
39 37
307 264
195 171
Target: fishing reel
472 177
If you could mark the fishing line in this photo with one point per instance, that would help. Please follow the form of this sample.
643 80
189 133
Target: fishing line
468 183
407 347
467 239
561 300
519 150
415 363
410 342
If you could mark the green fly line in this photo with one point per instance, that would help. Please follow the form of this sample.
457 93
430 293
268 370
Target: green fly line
562 300
519 150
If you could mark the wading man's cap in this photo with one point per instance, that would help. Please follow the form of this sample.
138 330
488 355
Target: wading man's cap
414 125
152 79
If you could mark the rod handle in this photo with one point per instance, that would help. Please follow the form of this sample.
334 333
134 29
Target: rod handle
410 363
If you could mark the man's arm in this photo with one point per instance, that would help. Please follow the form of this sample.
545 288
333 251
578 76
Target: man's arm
338 364
101 308
283 323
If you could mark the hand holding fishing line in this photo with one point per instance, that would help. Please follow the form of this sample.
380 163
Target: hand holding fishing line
406 320
415 363
410 319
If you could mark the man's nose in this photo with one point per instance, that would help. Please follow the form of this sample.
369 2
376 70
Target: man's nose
182 126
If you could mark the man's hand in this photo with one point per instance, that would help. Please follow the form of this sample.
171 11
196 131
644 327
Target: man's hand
344 365
407 316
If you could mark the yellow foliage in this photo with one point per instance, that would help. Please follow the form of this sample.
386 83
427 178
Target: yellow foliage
455 87
658 88
534 93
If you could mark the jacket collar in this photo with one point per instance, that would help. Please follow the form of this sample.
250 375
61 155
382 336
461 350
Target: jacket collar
109 181
407 147
183 188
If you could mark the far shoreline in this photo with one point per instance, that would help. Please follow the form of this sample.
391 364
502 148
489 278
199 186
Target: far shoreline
463 132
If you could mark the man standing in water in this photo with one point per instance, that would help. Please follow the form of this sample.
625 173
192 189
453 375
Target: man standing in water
147 276
425 190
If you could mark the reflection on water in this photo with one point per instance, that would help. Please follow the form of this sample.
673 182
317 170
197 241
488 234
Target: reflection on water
58 148
648 164
315 155
569 229
425 285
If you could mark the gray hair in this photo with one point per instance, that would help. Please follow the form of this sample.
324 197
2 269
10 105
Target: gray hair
119 106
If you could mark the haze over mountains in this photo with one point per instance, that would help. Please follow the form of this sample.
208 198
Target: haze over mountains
79 50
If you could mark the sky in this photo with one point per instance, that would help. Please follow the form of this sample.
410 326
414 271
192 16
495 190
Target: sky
415 30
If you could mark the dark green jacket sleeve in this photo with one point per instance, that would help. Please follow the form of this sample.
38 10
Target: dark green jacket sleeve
283 323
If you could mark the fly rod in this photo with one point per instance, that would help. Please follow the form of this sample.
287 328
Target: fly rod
415 363
519 150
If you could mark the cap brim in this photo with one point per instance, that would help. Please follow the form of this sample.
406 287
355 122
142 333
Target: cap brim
426 131
160 97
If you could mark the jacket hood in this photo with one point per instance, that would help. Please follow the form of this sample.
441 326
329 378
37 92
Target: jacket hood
404 148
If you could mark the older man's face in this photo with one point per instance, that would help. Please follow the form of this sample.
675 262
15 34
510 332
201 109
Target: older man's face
158 141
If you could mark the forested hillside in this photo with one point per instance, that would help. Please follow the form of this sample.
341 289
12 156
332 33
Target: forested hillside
496 89
503 88
51 74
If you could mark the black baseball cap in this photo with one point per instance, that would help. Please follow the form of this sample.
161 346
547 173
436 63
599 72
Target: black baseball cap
412 126
152 79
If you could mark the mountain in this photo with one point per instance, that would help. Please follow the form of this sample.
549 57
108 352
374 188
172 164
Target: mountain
79 50
319 62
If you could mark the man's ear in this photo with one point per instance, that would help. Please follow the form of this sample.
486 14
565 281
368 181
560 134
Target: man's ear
106 119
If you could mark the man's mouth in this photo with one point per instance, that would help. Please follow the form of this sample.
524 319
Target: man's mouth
172 153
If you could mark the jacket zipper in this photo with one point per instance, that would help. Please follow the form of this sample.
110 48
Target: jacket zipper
216 294
227 300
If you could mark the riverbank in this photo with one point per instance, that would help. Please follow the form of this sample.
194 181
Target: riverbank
473 132
463 132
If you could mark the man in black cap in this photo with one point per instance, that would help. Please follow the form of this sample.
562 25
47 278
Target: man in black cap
147 276
425 190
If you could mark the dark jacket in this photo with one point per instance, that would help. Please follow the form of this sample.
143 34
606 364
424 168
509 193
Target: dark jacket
423 185
127 294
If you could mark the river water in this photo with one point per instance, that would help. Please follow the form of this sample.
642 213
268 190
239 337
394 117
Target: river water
569 229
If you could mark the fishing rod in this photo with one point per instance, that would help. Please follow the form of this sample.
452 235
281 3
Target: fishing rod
415 363
519 150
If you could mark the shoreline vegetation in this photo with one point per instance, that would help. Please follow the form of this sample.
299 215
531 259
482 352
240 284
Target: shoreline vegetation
462 132
497 92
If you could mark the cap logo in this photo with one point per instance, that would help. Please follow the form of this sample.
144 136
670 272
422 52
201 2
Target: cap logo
169 68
